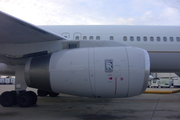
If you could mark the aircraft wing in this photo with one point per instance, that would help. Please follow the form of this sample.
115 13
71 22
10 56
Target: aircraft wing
13 30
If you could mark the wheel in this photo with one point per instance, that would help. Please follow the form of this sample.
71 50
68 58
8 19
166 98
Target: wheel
34 97
42 93
53 94
6 99
24 99
14 97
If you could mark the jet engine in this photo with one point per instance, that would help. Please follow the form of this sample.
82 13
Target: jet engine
92 72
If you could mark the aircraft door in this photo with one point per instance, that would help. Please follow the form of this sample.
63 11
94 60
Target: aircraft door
66 35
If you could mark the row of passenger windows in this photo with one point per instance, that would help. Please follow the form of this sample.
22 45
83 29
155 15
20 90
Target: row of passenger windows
132 38
138 38
92 38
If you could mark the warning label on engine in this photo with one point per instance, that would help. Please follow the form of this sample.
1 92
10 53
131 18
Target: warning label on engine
108 65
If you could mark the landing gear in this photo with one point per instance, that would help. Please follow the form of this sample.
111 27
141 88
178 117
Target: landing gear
14 94
23 98
19 96
53 94
43 93
34 97
7 99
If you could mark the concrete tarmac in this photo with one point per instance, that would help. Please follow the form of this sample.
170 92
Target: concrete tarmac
67 107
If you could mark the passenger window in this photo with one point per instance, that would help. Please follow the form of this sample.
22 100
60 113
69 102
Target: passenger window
84 38
111 38
165 39
125 38
91 38
145 38
97 37
158 39
171 39
151 38
77 38
138 38
131 38
178 39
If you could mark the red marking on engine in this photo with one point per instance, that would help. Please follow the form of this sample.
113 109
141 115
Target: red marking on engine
110 78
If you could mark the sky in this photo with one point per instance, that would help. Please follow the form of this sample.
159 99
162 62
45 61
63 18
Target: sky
94 12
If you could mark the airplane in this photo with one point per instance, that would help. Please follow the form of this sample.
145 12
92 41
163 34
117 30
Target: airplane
100 61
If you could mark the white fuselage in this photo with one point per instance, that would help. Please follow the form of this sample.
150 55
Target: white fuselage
161 42
169 35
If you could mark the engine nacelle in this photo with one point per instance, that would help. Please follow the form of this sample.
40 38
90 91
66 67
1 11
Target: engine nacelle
92 72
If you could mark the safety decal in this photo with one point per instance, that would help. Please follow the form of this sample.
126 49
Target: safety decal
108 65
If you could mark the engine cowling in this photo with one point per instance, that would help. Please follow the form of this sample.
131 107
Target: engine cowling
92 72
